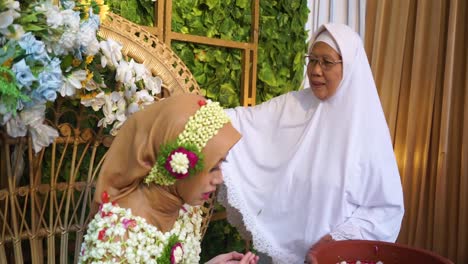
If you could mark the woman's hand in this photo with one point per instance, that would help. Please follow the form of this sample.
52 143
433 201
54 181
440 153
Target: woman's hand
235 257
325 239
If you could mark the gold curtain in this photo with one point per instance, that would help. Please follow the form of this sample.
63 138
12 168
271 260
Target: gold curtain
418 50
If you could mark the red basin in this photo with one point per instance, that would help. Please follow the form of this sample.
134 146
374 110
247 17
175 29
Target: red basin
373 251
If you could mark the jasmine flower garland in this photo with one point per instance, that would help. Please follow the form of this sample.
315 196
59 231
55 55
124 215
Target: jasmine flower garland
182 158
114 231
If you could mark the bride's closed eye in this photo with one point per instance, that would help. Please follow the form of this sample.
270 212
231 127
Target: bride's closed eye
218 166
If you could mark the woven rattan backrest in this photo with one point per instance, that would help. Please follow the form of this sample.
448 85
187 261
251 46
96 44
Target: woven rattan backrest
45 197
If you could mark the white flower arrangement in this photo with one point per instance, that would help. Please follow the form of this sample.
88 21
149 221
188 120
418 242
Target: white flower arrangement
48 51
117 236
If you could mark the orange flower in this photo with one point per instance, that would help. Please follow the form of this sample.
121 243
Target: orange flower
76 62
8 63
89 59
88 96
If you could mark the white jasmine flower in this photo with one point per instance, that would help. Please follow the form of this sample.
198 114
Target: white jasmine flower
179 163
178 254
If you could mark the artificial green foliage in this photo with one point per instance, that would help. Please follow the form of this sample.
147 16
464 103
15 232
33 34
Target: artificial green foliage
282 44
137 11
224 19
217 70
9 92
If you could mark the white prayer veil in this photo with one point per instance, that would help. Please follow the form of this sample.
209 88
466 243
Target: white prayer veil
305 168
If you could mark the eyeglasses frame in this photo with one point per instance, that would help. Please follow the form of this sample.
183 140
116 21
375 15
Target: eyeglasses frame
320 62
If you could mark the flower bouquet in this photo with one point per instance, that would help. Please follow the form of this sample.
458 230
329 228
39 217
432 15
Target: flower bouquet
50 51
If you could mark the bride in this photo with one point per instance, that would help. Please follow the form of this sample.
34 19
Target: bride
164 163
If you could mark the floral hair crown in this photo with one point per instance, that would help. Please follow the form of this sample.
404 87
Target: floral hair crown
182 158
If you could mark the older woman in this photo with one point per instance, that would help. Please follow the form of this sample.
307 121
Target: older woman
164 163
316 165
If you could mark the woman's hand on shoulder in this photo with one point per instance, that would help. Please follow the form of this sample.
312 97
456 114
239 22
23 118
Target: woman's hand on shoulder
235 257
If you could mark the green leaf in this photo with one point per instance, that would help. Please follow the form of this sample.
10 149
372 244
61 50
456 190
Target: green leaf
97 77
67 61
33 28
242 3
28 19
267 75
212 3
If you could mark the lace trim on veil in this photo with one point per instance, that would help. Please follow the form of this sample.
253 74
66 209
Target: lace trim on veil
246 226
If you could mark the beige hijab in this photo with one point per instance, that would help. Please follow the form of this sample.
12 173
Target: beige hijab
134 152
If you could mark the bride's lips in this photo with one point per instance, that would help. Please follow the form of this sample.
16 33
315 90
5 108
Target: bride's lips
206 196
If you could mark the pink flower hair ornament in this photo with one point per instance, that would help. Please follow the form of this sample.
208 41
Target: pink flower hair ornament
182 158
177 253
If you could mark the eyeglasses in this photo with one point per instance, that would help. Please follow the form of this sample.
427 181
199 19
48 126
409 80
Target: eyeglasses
325 63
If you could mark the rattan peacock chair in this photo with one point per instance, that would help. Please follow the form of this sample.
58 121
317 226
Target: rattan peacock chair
45 197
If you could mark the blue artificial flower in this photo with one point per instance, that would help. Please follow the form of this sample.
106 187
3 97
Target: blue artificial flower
54 67
50 81
67 4
34 47
31 45
23 73
93 20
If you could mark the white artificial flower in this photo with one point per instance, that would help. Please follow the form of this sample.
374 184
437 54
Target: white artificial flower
7 18
71 20
153 84
112 53
10 4
92 47
107 109
87 39
55 18
133 108
143 97
16 127
140 70
72 83
120 108
125 73
96 103
91 85
42 135
17 33
66 43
